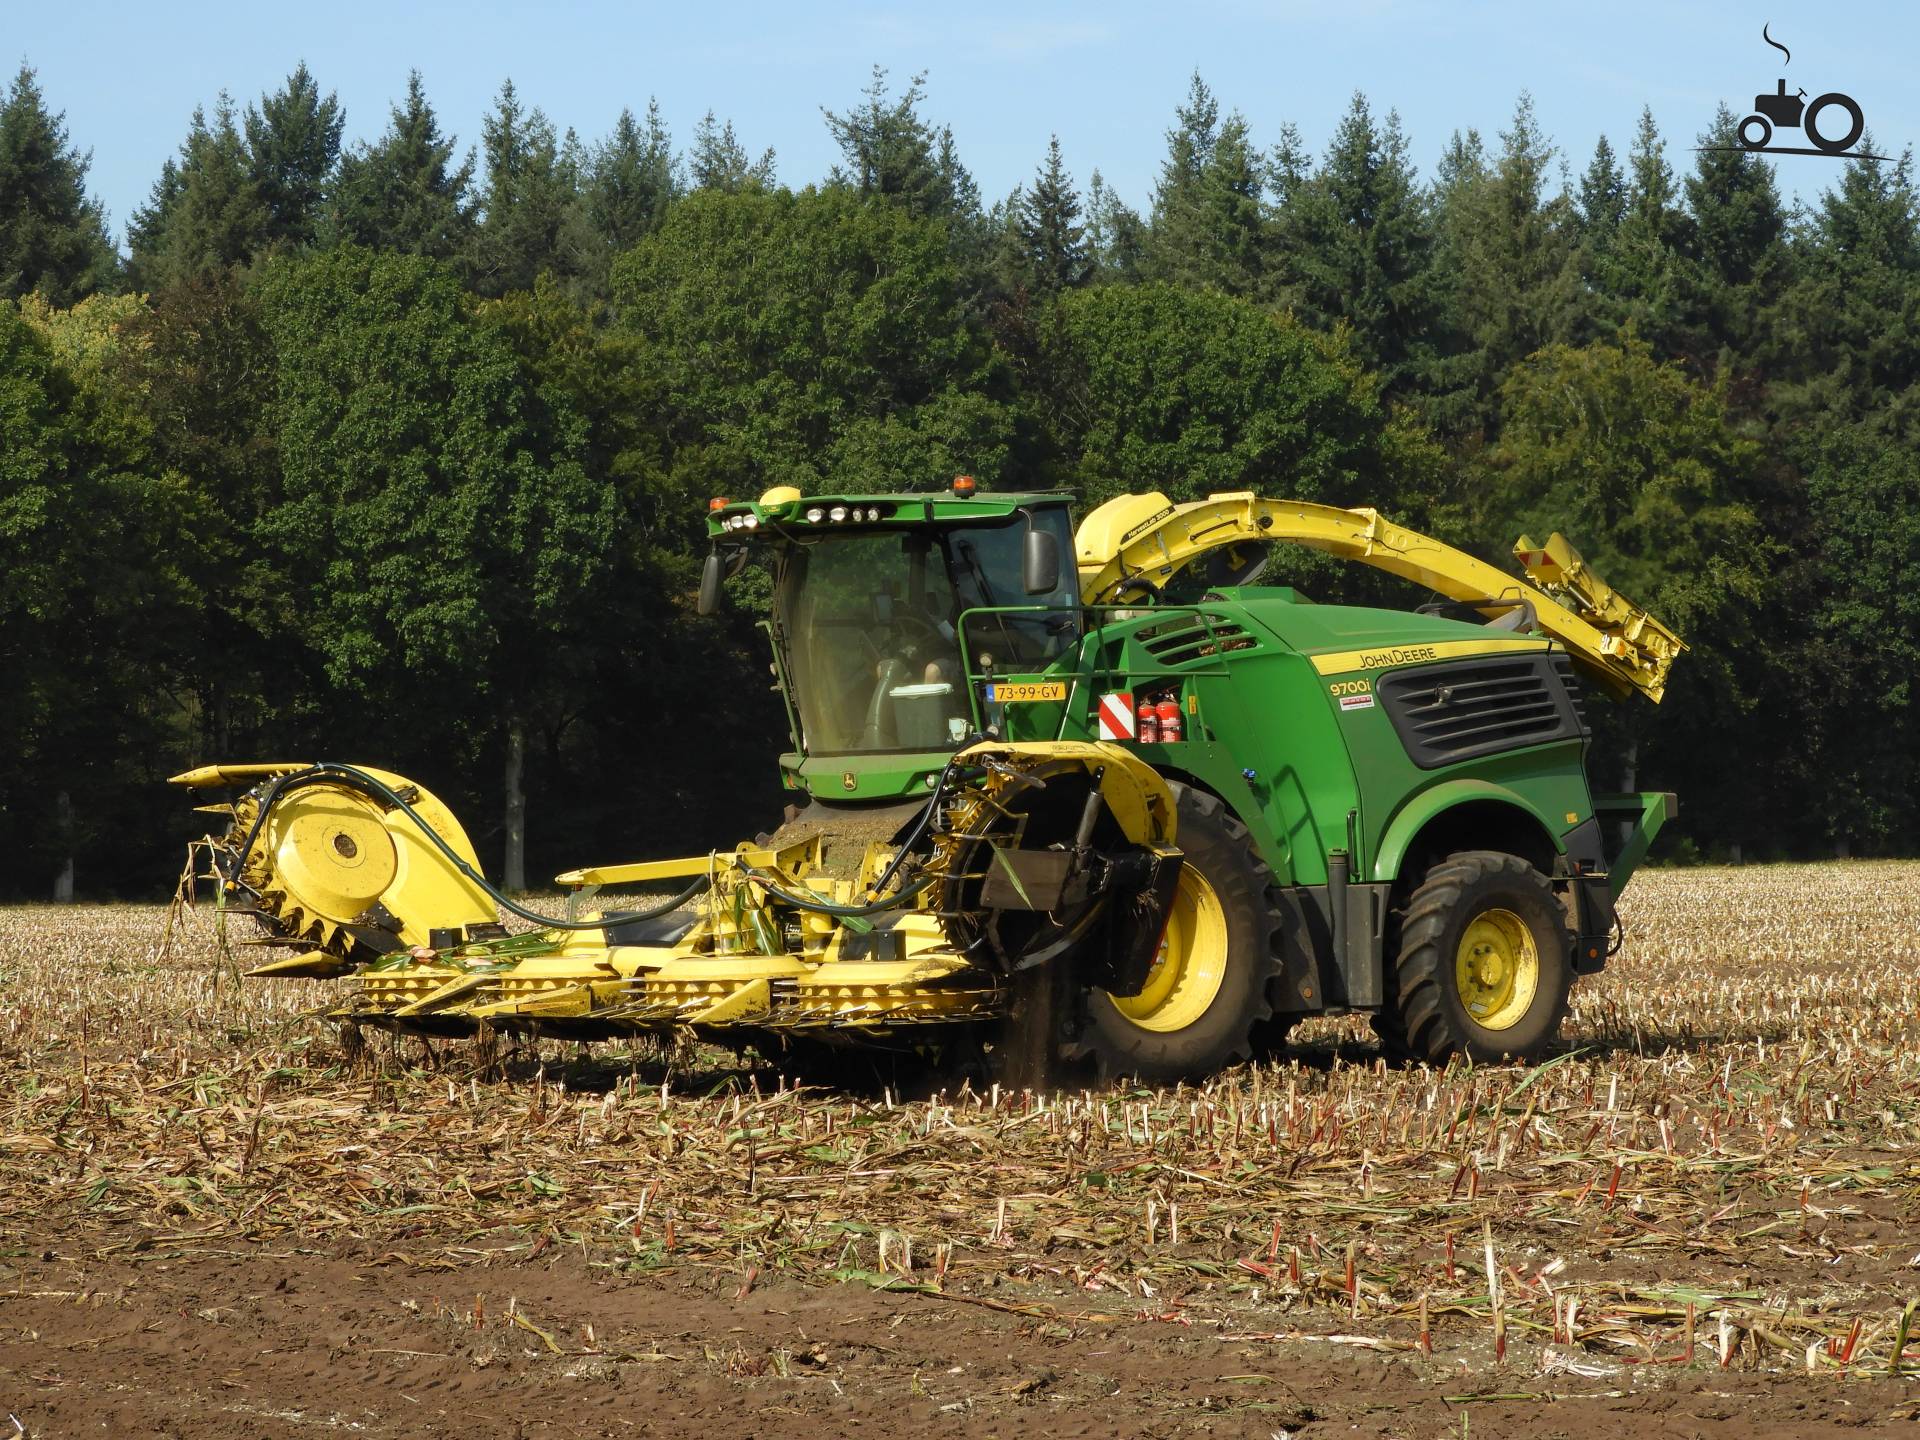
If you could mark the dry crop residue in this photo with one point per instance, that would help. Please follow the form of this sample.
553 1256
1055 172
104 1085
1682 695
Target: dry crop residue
215 1220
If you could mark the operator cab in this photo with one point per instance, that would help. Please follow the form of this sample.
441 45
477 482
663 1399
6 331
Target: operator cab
870 614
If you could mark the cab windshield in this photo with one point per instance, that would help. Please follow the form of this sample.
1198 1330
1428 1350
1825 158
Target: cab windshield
871 624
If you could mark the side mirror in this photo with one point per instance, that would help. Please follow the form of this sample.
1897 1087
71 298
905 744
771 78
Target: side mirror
711 575
1040 562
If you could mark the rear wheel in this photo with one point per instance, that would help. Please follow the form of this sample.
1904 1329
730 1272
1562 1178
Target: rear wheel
1207 993
1485 962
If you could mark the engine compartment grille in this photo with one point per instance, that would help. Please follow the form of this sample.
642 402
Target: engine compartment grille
1194 637
1448 713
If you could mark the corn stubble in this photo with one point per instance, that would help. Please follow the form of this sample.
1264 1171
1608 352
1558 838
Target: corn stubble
1719 1171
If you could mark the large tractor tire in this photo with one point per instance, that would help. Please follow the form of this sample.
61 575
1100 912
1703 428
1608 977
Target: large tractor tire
1206 997
1485 963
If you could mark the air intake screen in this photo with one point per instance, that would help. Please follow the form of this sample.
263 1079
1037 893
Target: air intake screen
1449 713
1193 637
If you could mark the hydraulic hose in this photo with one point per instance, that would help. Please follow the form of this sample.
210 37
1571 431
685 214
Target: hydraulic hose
921 821
361 780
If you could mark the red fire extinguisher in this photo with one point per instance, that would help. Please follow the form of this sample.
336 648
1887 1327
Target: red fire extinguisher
1168 714
1149 717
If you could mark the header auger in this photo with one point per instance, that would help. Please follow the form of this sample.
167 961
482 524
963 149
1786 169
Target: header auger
1337 808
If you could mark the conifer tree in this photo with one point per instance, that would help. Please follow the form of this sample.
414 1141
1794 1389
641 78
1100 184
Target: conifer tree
293 142
1116 235
1603 193
53 238
1357 246
532 185
887 149
404 192
1643 273
209 213
1047 218
1740 244
1853 317
630 178
1209 223
720 162
1513 246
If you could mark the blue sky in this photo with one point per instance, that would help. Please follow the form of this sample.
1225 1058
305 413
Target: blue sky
1003 75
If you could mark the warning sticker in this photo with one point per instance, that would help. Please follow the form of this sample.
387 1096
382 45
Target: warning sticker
1116 716
1005 693
1356 702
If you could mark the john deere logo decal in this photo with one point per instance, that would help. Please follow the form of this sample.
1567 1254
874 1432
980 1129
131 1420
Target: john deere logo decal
1833 122
848 781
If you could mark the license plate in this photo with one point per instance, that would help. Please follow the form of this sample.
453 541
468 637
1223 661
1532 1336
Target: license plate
1013 692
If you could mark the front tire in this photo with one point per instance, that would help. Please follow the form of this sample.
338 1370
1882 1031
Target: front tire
1485 963
1206 998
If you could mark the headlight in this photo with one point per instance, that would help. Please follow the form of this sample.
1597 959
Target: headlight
837 514
749 521
873 512
815 515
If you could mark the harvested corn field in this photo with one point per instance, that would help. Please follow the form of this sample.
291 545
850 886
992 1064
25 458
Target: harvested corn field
218 1218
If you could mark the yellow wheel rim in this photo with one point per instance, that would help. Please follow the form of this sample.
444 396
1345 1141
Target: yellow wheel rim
1497 969
1192 963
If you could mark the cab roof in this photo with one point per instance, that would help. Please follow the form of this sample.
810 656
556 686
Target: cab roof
785 506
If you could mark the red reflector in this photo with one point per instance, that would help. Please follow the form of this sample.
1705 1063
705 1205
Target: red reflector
963 485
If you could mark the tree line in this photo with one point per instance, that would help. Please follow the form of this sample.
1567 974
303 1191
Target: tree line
398 452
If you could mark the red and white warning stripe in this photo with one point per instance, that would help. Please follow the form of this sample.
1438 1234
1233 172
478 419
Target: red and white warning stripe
1116 716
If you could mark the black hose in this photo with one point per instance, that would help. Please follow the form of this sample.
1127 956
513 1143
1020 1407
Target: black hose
920 821
360 779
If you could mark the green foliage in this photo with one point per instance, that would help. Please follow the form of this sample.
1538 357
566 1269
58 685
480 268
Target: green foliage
888 150
53 238
437 515
720 162
1047 220
1639 265
1189 393
631 177
1511 243
817 339
203 370
532 188
1606 443
1852 320
1358 242
293 142
1640 465
86 533
1866 625
405 192
1116 235
208 213
1207 223
1740 244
